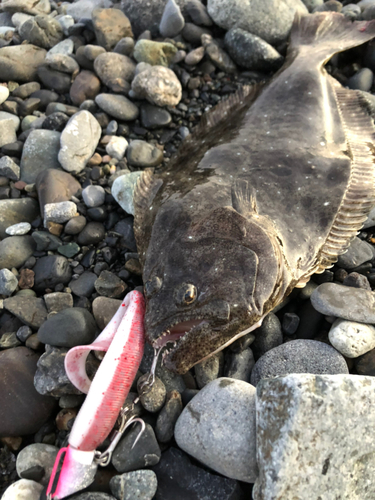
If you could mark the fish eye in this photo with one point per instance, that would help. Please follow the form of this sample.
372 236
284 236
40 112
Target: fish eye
152 286
187 294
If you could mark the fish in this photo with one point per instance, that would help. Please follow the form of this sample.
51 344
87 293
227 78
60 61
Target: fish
123 341
270 188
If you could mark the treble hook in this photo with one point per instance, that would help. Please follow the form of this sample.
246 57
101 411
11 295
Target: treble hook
146 385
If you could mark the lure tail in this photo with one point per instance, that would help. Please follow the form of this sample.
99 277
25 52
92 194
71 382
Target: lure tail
324 34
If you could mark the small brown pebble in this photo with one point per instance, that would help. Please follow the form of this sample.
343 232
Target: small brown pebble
372 240
54 228
96 159
26 279
134 266
33 342
64 416
106 159
13 443
105 140
20 185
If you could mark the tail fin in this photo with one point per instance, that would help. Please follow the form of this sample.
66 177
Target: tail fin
326 33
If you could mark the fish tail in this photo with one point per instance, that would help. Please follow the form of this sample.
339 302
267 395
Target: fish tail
324 34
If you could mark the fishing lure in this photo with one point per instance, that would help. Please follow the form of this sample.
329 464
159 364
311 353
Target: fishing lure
123 341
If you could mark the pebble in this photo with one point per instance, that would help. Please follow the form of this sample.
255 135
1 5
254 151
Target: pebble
63 63
179 478
54 80
168 416
39 153
91 234
69 250
135 485
370 222
115 70
50 271
55 121
193 33
58 301
23 411
45 241
37 455
299 356
362 80
123 189
172 21
4 93
365 364
224 408
110 26
79 140
85 86
198 13
251 52
68 328
352 339
59 212
66 47
318 418
93 196
209 369
154 399
195 56
75 225
153 117
332 299
218 56
27 6
8 282
142 154
267 336
55 186
154 53
290 323
117 106
43 31
145 453
8 128
116 147
66 22
239 365
357 280
104 309
84 286
159 85
358 252
20 63
273 27
23 489
92 496
27 308
18 229
15 250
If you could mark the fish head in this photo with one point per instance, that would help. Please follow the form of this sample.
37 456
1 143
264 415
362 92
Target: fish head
214 284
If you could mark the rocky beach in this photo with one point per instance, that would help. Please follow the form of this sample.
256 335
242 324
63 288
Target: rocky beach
92 93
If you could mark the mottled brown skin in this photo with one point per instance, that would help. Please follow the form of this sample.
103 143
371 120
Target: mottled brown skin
243 211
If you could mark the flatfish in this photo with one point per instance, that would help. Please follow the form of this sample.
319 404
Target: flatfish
270 188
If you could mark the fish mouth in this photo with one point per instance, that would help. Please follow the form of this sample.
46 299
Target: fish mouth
177 332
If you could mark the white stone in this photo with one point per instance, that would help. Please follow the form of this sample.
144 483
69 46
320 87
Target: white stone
93 196
217 427
352 339
159 85
18 229
65 47
66 22
315 437
59 212
123 190
116 147
4 93
4 115
8 282
78 141
24 489
19 18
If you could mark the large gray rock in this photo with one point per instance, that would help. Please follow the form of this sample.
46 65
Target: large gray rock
37 454
15 211
78 141
114 69
268 19
30 310
172 21
15 250
333 300
315 437
217 428
43 31
50 271
39 153
299 356
20 62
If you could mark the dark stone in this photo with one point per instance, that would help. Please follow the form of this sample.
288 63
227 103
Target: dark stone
91 234
45 96
55 121
30 310
153 117
97 214
125 228
310 321
290 323
54 80
267 336
365 364
109 285
357 281
50 271
168 416
362 80
84 285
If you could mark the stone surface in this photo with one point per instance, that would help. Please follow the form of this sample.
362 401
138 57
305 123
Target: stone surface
54 80
43 31
78 141
239 365
299 356
352 339
198 12
7 130
116 147
153 117
359 252
117 106
267 19
154 53
59 212
85 86
159 85
15 211
225 409
28 309
50 271
208 370
167 418
37 454
110 26
22 411
15 250
332 299
135 485
172 21
54 186
57 301
103 309
84 286
142 154
27 6
92 233
324 420
23 489
8 282
267 336
9 169
39 153
63 63
20 62
115 70
18 229
370 222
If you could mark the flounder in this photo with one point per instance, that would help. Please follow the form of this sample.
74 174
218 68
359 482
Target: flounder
269 189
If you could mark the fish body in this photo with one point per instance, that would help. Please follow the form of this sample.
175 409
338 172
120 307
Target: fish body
271 188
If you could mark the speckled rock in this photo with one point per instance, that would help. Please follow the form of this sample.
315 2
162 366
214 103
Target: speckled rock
43 31
59 212
37 454
352 339
8 282
23 489
123 189
116 147
142 154
135 485
159 85
325 420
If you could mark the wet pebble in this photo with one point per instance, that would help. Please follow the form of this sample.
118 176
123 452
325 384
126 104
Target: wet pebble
290 323
92 233
357 280
116 147
198 13
84 286
60 212
15 250
123 190
358 252
75 225
50 271
168 416
23 489
135 485
117 106
152 400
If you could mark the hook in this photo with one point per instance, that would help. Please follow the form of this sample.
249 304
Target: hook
149 382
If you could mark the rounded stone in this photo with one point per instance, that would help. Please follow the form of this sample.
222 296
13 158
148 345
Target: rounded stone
91 234
113 68
159 85
18 229
50 271
142 154
60 212
123 190
352 339
85 86
154 53
20 63
152 400
75 225
172 21
110 26
8 282
37 454
117 106
135 485
24 489
116 147
93 196
15 250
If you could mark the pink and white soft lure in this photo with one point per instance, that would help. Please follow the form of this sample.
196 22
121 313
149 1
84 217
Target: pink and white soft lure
123 339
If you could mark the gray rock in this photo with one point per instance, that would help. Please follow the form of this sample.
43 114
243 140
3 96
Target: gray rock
359 252
68 328
362 80
198 12
321 420
153 399
45 241
153 117
93 196
8 282
27 6
20 62
18 18
9 169
104 309
23 489
299 356
92 495
91 234
50 271
30 310
57 301
290 323
357 280
114 70
54 80
8 129
66 47
210 369
117 106
331 299
193 34
125 46
62 62
217 428
123 190
15 250
26 90
43 31
145 453
370 222
251 52
267 336
172 21
154 53
110 26
136 485
168 416
59 212
159 85
352 339
267 19
82 9
84 286
37 454
66 22
142 154
217 55
39 153
79 140
239 365
15 211
195 56
18 229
